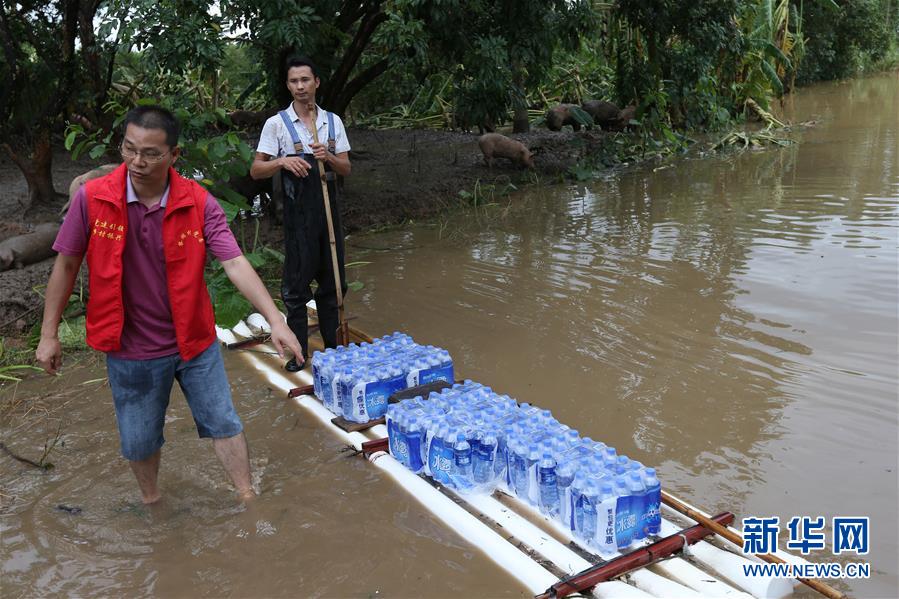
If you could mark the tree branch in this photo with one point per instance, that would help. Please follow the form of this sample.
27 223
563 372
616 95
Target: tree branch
360 81
350 12
367 27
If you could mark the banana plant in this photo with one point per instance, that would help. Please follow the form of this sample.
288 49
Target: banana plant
772 34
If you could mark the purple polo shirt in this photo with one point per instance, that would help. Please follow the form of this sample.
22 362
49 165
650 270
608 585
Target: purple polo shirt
148 331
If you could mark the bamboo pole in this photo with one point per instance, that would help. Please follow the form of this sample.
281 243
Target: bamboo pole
736 539
343 333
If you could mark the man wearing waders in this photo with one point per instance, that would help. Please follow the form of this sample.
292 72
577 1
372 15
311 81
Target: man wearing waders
287 149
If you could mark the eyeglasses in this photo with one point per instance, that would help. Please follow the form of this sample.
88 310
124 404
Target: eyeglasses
151 156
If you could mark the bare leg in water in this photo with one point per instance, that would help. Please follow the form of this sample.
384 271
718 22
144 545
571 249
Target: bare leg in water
232 452
147 472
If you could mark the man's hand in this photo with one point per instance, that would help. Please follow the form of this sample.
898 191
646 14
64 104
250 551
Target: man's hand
282 336
49 354
320 151
295 165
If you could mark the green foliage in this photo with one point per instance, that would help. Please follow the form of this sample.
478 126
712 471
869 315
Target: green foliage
486 194
584 74
765 28
9 368
679 60
850 39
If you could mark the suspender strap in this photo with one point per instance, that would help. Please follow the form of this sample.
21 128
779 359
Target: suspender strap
332 143
294 136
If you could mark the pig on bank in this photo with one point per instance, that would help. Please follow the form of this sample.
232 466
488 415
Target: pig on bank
494 145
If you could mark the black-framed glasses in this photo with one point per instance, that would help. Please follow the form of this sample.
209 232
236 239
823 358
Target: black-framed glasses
151 156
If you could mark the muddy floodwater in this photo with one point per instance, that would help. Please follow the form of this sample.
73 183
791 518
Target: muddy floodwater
730 320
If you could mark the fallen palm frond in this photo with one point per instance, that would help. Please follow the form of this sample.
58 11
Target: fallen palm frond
763 114
749 139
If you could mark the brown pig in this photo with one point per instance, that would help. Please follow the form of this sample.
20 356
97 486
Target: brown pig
561 115
605 114
628 113
494 145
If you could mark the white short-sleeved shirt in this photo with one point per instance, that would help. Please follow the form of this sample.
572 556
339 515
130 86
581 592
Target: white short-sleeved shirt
276 140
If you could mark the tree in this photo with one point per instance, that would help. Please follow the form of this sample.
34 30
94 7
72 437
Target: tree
43 72
495 49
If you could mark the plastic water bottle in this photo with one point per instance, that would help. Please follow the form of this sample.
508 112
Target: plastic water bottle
433 449
532 491
637 491
610 456
337 402
392 411
462 459
547 485
500 464
624 530
586 515
485 457
564 479
517 453
605 519
402 442
447 456
414 437
653 499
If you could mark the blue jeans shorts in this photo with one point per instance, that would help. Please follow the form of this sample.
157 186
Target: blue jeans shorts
141 390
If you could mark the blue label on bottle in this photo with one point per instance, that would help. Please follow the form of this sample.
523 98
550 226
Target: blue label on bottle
432 375
414 444
625 522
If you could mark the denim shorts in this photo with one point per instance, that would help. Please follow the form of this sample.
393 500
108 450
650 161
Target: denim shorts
141 390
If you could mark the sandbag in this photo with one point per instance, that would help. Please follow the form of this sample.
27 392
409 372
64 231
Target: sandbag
22 250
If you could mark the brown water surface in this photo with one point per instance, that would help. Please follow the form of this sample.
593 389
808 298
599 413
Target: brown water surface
731 320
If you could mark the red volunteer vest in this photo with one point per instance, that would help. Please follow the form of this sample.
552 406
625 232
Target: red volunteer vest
185 257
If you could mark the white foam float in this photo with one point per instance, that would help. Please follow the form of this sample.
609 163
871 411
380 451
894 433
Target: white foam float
258 325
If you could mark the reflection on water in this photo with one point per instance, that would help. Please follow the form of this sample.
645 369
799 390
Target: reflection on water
731 320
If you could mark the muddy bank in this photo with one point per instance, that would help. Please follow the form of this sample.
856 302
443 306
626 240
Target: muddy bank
398 176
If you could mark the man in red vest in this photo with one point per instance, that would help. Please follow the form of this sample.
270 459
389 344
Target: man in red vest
145 231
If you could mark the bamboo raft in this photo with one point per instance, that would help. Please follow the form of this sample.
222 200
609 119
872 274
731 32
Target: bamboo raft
690 559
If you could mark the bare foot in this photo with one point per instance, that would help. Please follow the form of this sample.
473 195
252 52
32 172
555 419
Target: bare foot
151 500
246 495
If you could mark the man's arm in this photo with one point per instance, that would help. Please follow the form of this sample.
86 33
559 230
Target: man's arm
264 166
241 273
340 163
59 288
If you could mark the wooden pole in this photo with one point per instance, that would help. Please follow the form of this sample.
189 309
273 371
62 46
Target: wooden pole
628 562
343 333
677 505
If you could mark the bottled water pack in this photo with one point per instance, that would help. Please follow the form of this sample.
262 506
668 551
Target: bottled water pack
472 439
356 381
